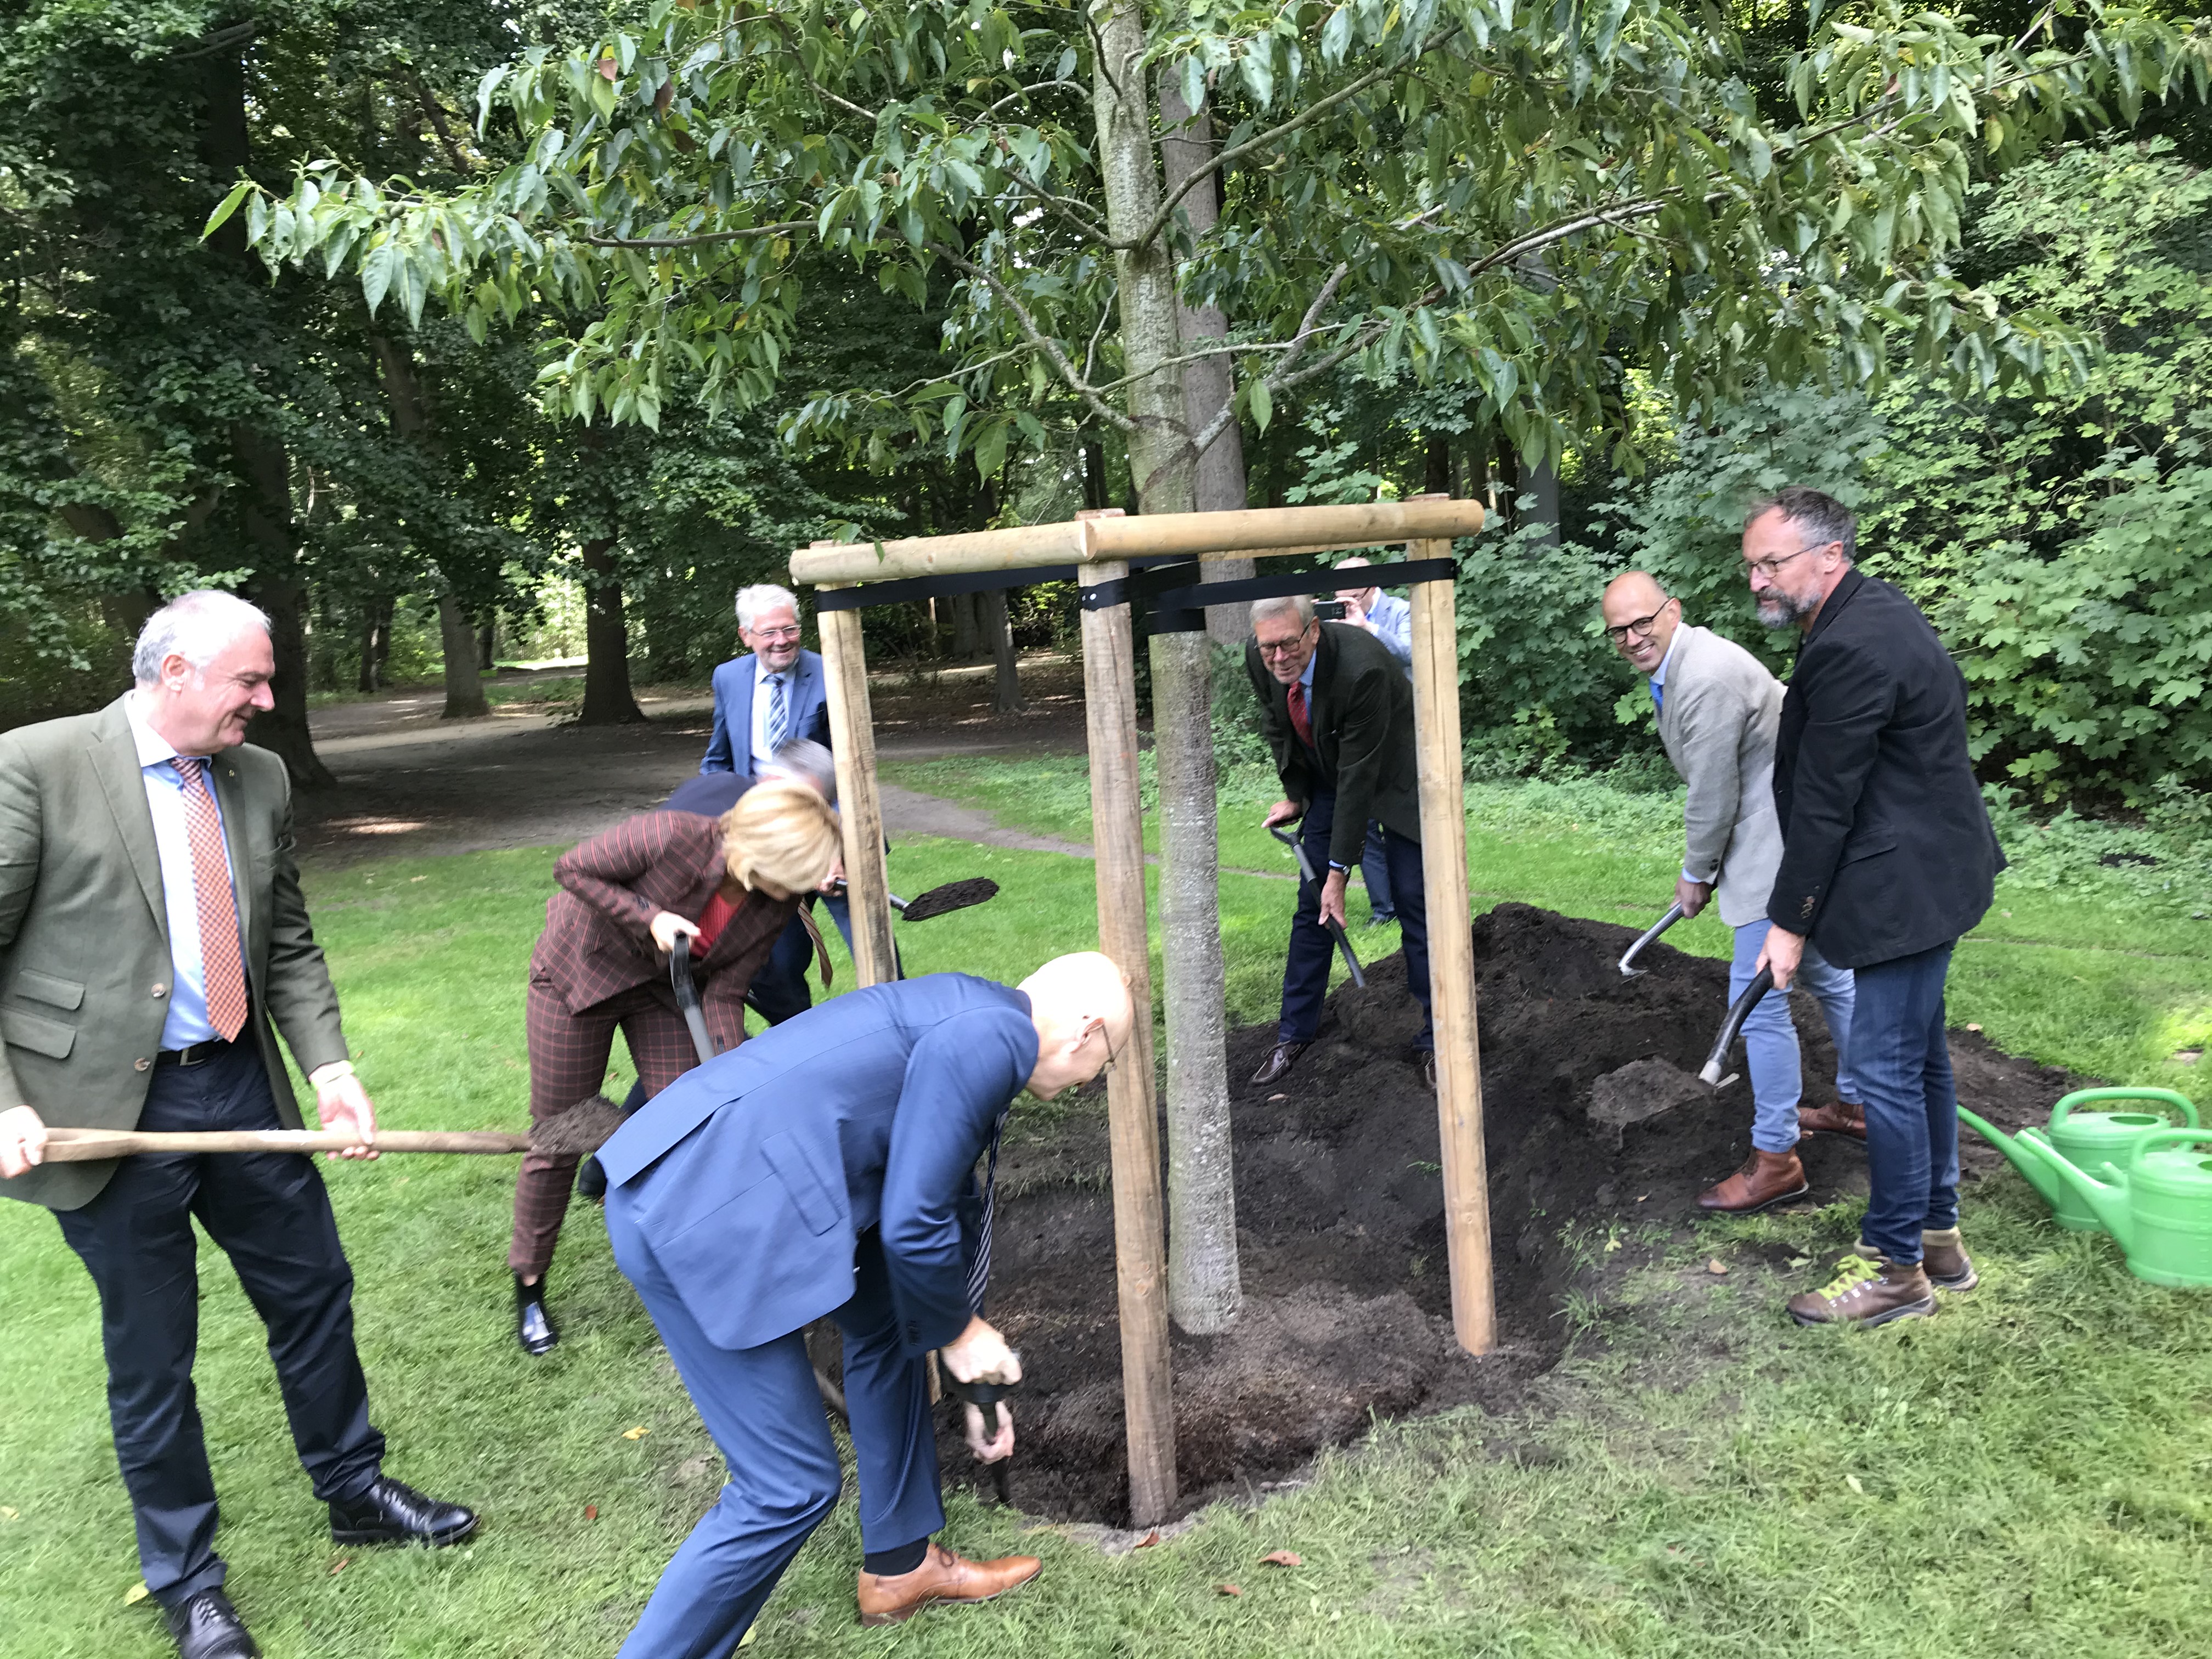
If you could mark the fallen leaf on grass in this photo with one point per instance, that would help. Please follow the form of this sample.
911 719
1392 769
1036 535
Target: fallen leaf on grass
136 1593
1852 1481
1228 1590
752 1636
590 1512
1973 1028
7 1514
339 1566
1277 1098
1801 1261
638 1434
1284 1559
1716 1266
1147 1540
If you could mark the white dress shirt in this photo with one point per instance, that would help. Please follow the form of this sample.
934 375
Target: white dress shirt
1658 691
187 1022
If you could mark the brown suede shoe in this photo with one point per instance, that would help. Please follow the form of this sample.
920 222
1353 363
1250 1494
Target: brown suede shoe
942 1576
1766 1178
1944 1257
1867 1291
1279 1061
1845 1117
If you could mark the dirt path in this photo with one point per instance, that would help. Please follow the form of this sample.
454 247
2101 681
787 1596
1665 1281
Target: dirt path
411 784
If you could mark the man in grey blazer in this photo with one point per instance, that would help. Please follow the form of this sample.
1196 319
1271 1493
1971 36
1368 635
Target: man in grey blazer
153 943
1719 710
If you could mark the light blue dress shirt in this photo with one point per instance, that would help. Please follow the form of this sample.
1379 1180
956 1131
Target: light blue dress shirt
763 698
187 1022
1393 627
1658 701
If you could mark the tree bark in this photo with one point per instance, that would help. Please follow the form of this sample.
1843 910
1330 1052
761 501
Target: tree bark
487 645
967 637
608 700
375 645
1007 693
1208 385
1203 1292
1438 480
1541 483
465 692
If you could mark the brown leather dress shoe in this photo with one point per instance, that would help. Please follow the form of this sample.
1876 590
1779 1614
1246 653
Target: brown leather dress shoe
1844 1117
1766 1178
1867 1291
888 1598
1279 1061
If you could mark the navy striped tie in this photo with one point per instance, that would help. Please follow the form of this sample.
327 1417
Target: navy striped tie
979 1276
772 733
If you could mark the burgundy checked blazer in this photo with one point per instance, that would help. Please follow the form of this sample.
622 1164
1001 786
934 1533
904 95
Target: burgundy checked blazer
598 942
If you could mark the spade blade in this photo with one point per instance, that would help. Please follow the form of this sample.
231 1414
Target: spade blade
953 895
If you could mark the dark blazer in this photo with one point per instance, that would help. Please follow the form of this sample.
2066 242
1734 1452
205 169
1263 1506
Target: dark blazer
598 940
84 943
1362 710
1887 849
731 748
754 1176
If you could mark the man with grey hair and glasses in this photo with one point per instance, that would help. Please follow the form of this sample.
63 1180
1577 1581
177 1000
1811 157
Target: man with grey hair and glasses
1888 857
154 944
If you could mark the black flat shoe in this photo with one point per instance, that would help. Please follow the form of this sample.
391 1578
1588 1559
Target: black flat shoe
1280 1060
534 1324
207 1626
392 1512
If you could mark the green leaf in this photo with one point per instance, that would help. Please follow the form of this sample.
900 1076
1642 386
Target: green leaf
1261 402
377 271
227 206
991 449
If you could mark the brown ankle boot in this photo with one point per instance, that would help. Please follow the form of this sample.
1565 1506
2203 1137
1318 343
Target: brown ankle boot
1867 1291
1944 1258
1845 1117
1766 1178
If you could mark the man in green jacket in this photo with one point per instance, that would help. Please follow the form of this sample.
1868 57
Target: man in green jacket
1339 715
151 930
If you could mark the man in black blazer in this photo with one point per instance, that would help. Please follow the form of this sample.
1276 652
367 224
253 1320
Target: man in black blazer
1887 856
1339 715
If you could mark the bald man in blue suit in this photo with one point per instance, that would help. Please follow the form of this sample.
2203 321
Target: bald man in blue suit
827 1167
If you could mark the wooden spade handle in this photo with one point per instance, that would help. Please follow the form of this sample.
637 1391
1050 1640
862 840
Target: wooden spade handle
88 1145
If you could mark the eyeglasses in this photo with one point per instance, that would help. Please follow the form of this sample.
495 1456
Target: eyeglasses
1641 626
1280 647
1768 568
776 633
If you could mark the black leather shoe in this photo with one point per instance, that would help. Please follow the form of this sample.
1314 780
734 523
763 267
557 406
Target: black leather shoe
592 1180
391 1512
1284 1055
207 1626
534 1324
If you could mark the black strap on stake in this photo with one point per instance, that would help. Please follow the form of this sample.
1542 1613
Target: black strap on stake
938 587
1182 610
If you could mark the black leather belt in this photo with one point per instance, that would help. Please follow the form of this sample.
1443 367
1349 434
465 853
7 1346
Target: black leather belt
199 1053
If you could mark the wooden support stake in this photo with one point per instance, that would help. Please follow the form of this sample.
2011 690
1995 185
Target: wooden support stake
1451 954
852 741
1117 832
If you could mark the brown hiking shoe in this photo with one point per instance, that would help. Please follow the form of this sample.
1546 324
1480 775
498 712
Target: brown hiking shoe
1944 1258
1766 1178
1844 1117
1867 1291
888 1598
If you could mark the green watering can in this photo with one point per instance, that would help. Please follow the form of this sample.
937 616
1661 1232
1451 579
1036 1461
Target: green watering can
2088 1140
2159 1206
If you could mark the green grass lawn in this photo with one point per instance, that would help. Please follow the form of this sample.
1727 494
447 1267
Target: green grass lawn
2029 1475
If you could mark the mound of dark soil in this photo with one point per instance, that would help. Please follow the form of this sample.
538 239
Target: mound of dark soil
1591 1111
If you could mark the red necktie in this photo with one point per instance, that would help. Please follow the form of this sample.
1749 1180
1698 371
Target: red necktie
1301 722
220 961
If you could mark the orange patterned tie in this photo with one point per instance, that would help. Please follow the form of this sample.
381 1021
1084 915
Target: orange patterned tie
219 955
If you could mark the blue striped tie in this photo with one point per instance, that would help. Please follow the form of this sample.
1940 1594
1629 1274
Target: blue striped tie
979 1276
772 734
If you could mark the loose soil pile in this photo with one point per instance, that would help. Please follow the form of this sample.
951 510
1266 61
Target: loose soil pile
1592 1114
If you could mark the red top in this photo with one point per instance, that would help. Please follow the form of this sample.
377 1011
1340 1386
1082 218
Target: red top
712 919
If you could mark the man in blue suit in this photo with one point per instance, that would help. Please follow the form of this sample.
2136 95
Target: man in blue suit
772 695
827 1167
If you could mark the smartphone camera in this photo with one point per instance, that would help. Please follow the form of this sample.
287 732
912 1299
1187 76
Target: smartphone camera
1330 610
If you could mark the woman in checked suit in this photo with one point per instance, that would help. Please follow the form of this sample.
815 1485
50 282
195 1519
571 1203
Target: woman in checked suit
721 888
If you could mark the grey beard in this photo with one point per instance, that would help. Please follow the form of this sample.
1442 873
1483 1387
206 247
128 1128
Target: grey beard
1785 611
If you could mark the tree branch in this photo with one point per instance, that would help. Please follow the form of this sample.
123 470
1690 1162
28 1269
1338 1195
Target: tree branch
1037 338
701 240
436 111
1024 92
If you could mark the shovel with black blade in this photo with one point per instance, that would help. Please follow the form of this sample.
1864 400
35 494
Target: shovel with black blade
1334 927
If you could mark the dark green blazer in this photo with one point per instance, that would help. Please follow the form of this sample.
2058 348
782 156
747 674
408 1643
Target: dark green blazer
84 948
1362 709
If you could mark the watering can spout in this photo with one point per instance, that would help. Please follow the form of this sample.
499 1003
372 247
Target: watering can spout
2109 1199
2021 1155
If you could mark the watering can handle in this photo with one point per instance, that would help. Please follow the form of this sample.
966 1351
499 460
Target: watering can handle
2167 1097
2166 1138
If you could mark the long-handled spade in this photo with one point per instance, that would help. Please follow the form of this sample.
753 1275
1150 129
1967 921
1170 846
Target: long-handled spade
1737 1013
1628 956
1334 927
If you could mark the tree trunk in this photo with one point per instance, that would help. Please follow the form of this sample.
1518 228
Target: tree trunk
375 645
1541 483
465 693
1438 480
1204 1292
607 697
1219 483
487 644
967 637
1094 474
1007 699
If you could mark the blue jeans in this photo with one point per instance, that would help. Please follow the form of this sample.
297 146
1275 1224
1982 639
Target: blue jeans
1375 871
1902 1065
1306 967
1769 1040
